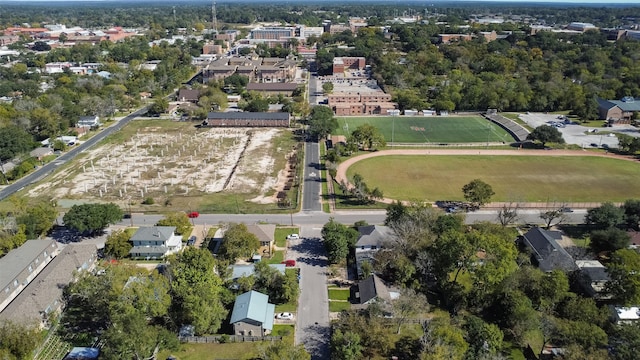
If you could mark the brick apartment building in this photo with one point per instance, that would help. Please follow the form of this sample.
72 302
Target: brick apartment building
340 64
374 103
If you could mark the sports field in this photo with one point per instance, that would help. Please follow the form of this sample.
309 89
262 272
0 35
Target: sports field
436 129
513 178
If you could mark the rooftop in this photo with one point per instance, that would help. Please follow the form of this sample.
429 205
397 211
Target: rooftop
17 260
153 233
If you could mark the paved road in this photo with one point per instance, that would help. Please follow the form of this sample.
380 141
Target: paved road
317 219
312 322
49 168
312 181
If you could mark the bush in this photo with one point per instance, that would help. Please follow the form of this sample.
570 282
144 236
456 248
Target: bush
148 201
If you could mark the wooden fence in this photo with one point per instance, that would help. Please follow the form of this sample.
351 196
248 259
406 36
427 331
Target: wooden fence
218 339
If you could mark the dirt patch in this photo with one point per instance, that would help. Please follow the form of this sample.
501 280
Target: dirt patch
156 162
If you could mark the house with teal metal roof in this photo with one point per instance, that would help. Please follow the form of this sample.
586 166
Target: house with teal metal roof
252 314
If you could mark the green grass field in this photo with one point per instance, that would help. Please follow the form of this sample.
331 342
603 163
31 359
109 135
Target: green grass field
513 178
463 129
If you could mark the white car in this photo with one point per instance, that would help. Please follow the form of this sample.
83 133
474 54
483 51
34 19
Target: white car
284 316
293 237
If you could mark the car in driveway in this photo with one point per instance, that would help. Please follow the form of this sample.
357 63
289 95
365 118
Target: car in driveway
191 241
284 316
289 263
293 237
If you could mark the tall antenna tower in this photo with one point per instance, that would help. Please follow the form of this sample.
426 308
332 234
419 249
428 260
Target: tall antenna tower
214 19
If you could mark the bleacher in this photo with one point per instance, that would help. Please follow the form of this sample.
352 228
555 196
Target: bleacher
512 127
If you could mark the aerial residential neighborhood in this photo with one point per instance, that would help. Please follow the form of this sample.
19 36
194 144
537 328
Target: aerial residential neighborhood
359 180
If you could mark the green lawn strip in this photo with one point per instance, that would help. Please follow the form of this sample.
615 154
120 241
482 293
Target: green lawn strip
277 258
438 129
282 232
338 306
347 202
241 351
513 178
286 331
288 307
339 294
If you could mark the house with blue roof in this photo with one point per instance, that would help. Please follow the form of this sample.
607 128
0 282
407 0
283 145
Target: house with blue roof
618 111
252 314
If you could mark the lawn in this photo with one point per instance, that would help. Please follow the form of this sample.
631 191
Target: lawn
513 178
338 306
282 232
277 258
429 129
339 294
246 350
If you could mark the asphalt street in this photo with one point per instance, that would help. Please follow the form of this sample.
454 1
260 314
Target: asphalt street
312 180
312 322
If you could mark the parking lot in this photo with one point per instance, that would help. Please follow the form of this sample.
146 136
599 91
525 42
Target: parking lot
583 136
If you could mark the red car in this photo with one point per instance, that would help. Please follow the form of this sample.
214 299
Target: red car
289 263
193 214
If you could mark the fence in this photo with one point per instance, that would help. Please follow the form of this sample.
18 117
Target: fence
218 339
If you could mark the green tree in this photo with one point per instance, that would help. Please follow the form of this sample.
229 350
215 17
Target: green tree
367 137
625 340
624 271
477 192
345 345
409 305
611 239
275 351
18 341
322 122
545 134
338 238
118 245
483 338
238 242
257 105
159 106
178 219
605 216
554 215
92 218
14 141
632 213
327 87
38 219
281 288
196 291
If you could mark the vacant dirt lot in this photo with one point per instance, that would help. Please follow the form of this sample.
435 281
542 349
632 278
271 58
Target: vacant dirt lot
168 160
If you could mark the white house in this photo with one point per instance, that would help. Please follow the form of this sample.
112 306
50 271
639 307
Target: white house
371 239
88 121
155 242
625 315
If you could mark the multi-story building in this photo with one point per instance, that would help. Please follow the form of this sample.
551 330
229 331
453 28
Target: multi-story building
273 33
340 64
20 266
155 242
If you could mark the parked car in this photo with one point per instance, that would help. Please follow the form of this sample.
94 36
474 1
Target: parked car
293 237
193 214
566 209
289 263
284 316
191 241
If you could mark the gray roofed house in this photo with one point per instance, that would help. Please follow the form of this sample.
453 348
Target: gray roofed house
370 290
546 252
620 111
20 266
88 121
273 88
240 270
593 277
252 314
264 232
189 95
41 152
155 242
372 238
43 296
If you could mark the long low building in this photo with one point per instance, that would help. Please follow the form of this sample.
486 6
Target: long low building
20 266
43 297
247 119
